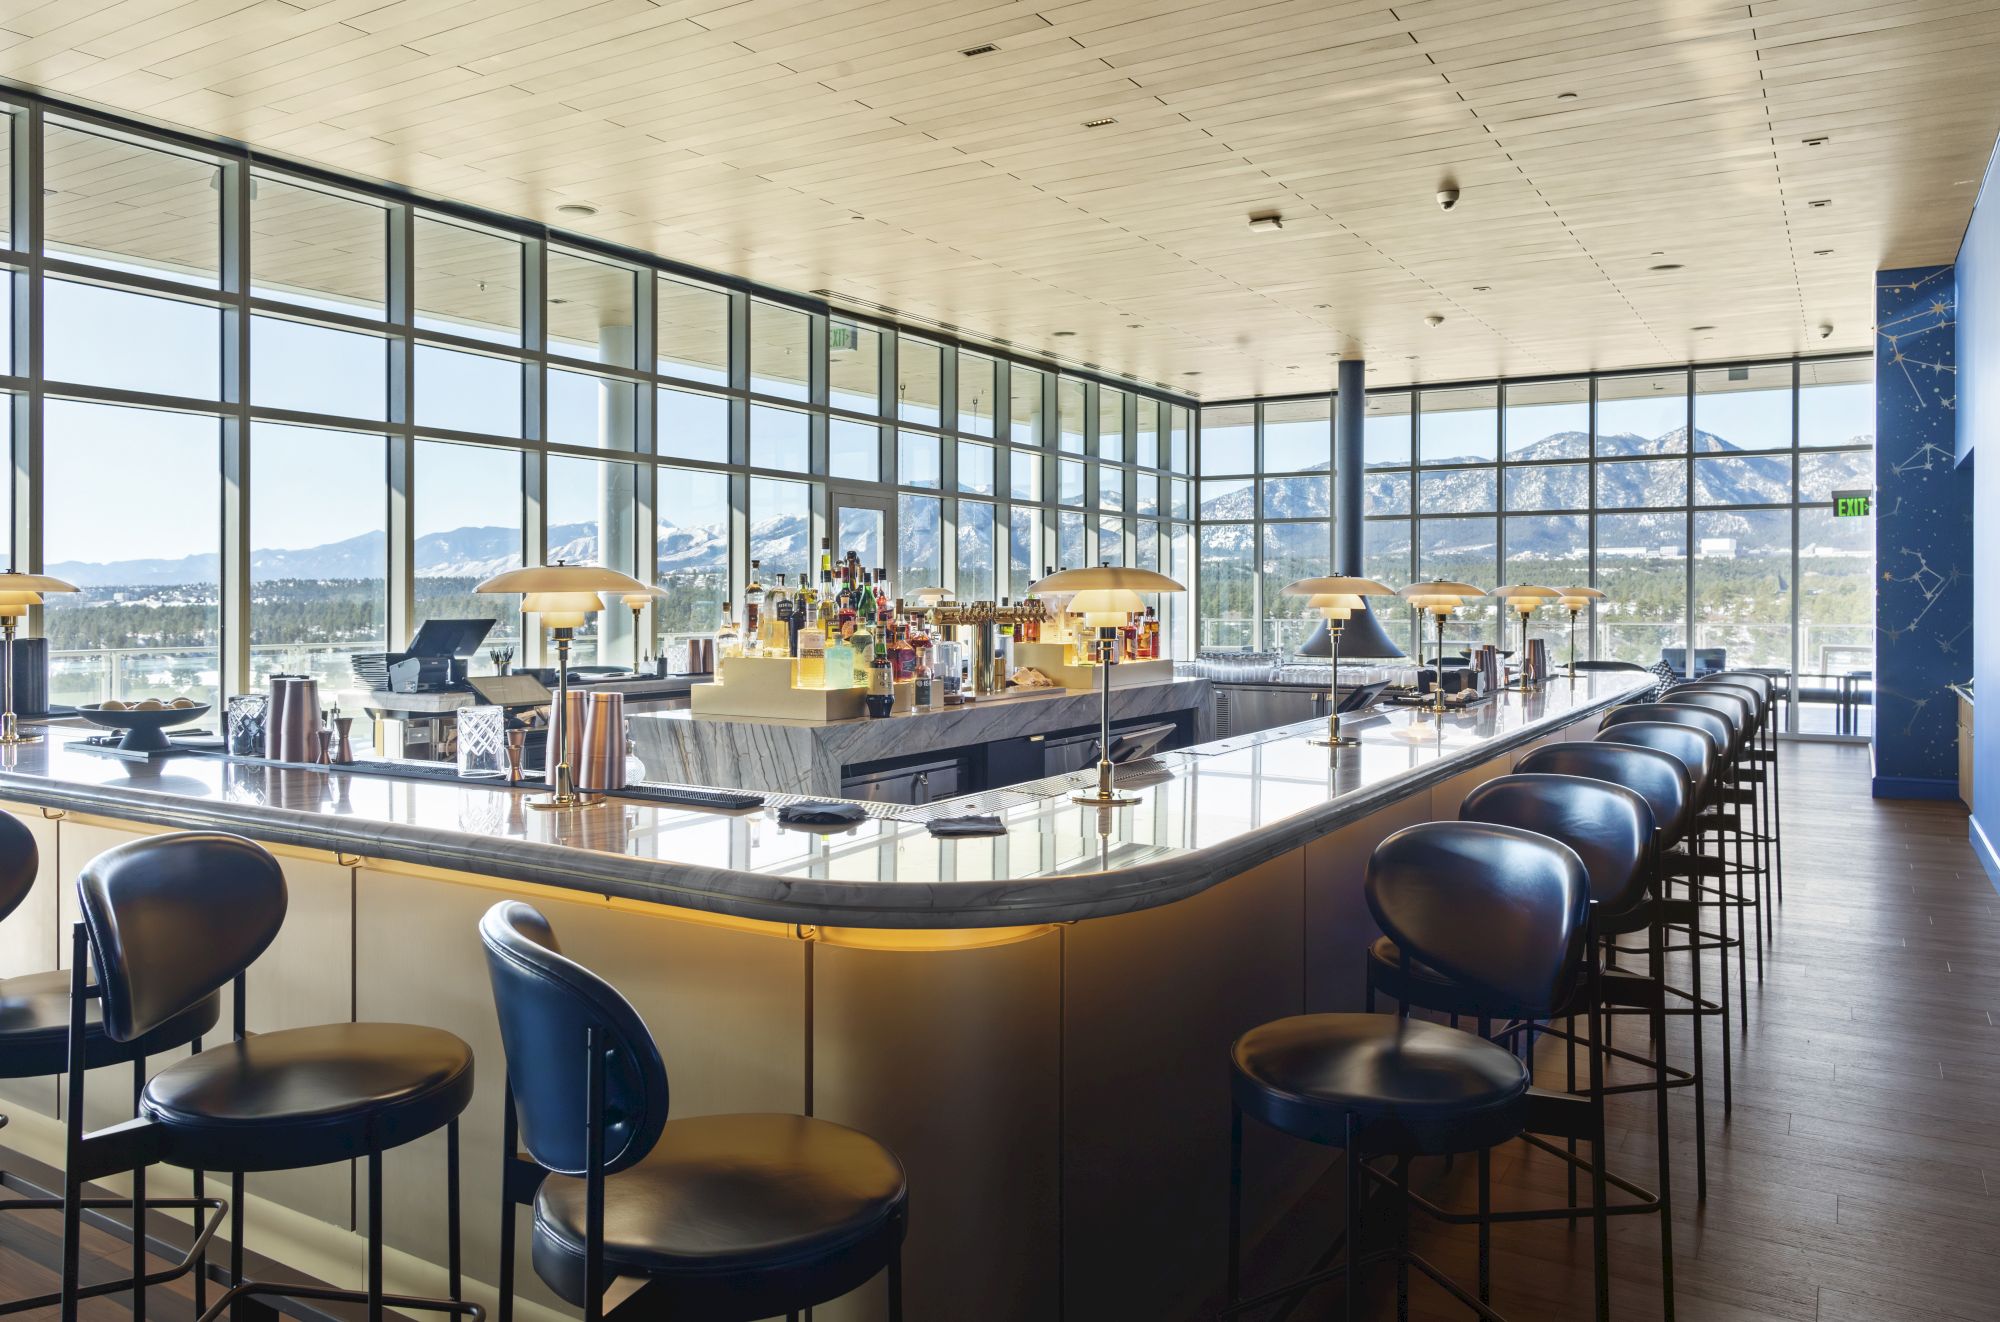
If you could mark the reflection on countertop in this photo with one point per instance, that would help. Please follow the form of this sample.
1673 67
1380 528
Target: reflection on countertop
1204 814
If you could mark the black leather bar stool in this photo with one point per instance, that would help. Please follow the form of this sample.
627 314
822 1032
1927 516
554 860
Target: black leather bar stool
1771 693
1747 776
34 1043
707 1219
168 922
1500 914
1758 773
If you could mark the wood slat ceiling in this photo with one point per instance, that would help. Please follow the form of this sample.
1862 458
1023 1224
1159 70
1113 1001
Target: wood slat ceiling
853 148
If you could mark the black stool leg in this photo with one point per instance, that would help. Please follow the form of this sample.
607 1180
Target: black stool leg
510 1144
1657 960
139 1206
1485 1226
896 1284
235 1240
1700 1056
451 1208
1600 1220
1353 1275
1235 1278
1402 1239
375 1237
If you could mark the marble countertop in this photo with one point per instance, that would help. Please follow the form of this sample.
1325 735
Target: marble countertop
1204 814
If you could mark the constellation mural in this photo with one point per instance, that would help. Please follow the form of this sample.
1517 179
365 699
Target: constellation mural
1923 534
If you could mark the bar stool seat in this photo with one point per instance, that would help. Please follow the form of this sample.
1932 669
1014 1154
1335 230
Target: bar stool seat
34 1028
726 1204
1412 1086
308 1096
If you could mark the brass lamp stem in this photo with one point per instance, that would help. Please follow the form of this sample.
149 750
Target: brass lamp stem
1572 644
563 793
1438 688
1334 738
1104 796
10 728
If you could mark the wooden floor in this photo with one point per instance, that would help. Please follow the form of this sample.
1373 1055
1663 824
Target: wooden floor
1850 1184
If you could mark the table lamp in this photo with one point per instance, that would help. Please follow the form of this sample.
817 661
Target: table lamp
636 602
1525 599
1574 600
17 593
1440 597
564 596
1105 596
1337 599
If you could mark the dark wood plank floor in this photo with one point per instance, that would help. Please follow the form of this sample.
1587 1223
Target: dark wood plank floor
1858 1178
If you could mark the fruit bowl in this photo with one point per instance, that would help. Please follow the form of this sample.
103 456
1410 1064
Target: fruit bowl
145 728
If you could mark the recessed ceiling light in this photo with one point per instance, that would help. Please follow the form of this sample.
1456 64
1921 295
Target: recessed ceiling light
1820 202
857 217
1482 289
1665 266
1321 307
1701 328
1822 252
1265 221
1190 373
1565 96
1657 252
1131 325
1434 320
48 192
557 302
1099 123
985 49
576 209
1064 334
1960 183
1819 141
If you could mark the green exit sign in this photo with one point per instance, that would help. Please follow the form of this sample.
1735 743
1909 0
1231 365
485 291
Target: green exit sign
1852 504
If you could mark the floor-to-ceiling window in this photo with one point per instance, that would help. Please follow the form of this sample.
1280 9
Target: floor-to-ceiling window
1700 500
281 418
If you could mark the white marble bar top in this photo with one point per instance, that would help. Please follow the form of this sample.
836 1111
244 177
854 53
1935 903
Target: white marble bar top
1204 814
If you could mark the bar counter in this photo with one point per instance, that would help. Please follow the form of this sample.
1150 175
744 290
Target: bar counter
1037 1023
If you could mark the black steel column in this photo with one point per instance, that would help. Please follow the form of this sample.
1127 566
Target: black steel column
1349 406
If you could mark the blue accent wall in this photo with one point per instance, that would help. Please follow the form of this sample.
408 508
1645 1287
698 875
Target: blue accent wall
1923 536
1979 433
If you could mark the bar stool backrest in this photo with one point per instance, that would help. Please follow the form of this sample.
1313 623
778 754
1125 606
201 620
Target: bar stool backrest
1710 723
1609 827
548 1003
1759 704
1661 779
173 919
1498 910
1696 750
20 861
1764 684
1731 707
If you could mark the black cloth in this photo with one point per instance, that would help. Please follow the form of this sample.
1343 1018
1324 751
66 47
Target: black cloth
822 816
975 824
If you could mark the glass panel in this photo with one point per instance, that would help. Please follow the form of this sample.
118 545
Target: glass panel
919 558
780 438
1385 431
1025 475
1385 551
1743 480
1458 426
780 352
1743 408
318 577
146 622
1177 498
315 369
1227 609
1742 606
1837 592
1069 415
693 334
594 411
917 460
975 468
1295 498
1466 551
1111 424
467 521
468 282
1458 491
1386 493
1820 475
1228 498
1069 482
1024 386
318 249
1177 620
106 337
1642 484
593 514
8 230
1146 439
693 426
919 382
854 367
1110 540
975 551
1024 550
863 530
977 379
591 309
1548 420
1229 439
1837 402
780 528
854 450
468 391
1552 550
1146 493
1642 569
125 207
1146 545
691 555
1070 549
1177 439
1291 551
1549 487
1110 487
1298 436
1642 415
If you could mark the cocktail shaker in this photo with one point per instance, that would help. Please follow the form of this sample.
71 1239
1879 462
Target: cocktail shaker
600 763
291 726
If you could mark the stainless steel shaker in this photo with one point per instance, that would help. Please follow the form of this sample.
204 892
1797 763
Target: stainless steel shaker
291 727
600 762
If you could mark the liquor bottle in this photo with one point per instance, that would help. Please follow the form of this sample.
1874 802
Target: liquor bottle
881 685
903 657
805 606
839 663
1151 634
926 691
864 605
753 603
727 641
809 671
825 558
775 638
1003 643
